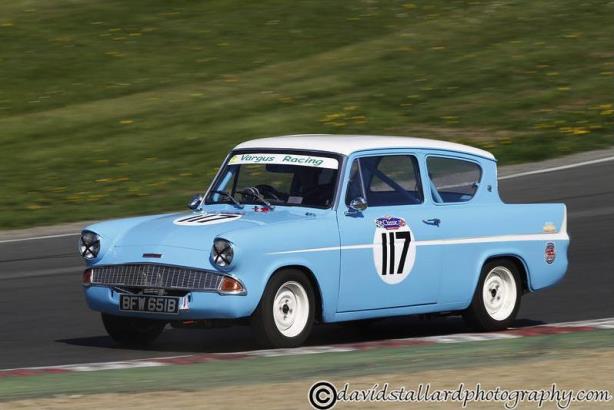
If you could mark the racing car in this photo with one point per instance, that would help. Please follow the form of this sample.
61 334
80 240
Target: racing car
305 229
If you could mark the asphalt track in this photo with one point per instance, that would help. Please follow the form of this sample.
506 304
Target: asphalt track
44 320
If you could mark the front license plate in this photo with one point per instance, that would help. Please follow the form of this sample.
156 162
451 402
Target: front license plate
149 304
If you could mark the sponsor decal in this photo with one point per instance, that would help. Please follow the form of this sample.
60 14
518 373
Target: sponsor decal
206 219
550 253
285 159
390 223
549 227
261 209
394 250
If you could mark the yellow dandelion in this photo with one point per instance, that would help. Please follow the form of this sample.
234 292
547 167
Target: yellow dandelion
505 140
331 117
231 79
359 119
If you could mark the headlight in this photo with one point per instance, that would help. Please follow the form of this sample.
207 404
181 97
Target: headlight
222 253
89 245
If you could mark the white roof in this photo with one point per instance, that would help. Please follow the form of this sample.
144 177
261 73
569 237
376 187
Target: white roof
347 144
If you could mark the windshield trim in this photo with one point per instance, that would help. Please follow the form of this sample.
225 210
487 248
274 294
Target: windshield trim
339 157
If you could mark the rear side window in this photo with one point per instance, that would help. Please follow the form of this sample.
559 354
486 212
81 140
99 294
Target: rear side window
385 180
453 180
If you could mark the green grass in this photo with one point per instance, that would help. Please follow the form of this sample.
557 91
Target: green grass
310 367
115 108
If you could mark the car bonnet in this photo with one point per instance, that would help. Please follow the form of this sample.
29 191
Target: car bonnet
196 230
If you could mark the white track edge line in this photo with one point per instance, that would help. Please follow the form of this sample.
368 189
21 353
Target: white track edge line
559 168
62 235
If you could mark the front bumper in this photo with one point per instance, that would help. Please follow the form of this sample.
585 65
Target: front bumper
201 305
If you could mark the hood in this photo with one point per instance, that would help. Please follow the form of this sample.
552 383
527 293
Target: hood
196 230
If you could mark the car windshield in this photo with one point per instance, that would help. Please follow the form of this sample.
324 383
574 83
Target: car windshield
287 179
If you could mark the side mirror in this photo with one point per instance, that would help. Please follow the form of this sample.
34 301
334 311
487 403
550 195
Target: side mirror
358 204
195 202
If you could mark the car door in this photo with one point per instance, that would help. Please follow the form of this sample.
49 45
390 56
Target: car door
382 265
454 185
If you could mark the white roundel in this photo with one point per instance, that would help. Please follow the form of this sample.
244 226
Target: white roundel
394 250
206 219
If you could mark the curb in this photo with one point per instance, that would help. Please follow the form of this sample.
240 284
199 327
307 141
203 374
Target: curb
540 330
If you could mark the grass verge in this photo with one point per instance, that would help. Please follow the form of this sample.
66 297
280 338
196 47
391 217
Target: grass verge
307 369
112 109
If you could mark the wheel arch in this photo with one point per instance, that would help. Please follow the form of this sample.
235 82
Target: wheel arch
520 265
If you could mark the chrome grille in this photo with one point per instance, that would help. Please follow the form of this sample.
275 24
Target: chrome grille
149 275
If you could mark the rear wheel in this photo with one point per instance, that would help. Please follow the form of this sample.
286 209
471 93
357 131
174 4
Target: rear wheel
132 331
496 300
285 315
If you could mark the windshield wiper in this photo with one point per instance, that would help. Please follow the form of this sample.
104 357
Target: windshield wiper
232 198
255 193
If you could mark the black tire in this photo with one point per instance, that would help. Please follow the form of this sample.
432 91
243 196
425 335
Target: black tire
476 316
132 331
263 321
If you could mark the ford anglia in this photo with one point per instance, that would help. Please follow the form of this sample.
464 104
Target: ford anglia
297 230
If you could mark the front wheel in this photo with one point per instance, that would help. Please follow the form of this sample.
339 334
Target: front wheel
132 331
497 298
285 315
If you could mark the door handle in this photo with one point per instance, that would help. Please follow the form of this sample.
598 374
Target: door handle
434 221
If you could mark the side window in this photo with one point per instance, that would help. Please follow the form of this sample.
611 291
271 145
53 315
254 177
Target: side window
453 180
386 180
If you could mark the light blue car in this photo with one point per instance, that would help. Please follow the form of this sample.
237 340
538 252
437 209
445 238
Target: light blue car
297 230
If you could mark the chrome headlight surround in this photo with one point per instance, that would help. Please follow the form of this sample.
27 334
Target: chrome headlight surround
89 245
222 253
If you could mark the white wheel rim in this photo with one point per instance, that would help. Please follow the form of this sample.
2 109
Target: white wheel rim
291 309
499 293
